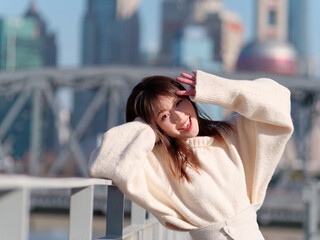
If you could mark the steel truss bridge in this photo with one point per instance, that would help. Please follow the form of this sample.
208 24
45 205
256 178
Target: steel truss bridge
97 90
39 137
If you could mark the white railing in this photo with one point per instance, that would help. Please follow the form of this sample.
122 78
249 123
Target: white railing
15 195
310 196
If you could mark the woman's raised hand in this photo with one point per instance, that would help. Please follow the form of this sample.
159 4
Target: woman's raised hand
189 80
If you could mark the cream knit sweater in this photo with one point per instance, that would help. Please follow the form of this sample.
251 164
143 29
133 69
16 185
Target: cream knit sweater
232 176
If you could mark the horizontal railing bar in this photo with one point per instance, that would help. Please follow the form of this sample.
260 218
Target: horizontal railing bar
23 181
134 228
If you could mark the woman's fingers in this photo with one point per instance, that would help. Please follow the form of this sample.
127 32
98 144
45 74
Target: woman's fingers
191 92
186 81
185 75
189 80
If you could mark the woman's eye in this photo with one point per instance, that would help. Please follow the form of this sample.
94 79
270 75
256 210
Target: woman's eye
178 102
164 117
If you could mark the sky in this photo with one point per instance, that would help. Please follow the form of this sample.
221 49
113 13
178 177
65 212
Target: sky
64 18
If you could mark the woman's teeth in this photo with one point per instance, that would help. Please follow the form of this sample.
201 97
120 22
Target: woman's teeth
185 125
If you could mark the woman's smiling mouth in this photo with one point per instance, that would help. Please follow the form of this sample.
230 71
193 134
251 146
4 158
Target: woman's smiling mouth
186 126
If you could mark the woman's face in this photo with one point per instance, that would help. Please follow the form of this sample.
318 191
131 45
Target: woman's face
177 117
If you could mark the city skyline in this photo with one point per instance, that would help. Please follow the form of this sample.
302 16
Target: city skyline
64 19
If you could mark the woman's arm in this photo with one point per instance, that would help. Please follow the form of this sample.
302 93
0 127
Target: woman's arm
259 100
261 128
123 149
128 155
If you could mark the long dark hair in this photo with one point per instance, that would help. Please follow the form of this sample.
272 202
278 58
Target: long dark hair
142 102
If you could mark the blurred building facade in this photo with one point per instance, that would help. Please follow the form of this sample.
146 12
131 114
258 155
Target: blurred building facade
47 38
175 14
298 34
193 48
25 42
298 28
20 46
272 20
110 34
223 28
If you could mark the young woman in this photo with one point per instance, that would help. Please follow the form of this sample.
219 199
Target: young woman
195 174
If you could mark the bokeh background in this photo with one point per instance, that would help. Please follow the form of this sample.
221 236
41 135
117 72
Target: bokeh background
67 67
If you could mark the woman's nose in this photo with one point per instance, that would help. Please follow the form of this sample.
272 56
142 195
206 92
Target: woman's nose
177 116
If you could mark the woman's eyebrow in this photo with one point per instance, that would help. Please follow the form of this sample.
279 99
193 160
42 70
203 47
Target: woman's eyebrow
161 111
174 99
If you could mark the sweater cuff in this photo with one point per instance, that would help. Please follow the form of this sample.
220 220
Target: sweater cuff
214 89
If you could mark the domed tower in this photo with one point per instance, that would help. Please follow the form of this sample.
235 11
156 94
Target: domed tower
270 52
268 56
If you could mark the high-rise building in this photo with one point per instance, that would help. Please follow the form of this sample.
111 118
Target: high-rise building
109 37
224 29
20 44
272 20
175 15
231 40
25 42
298 32
47 38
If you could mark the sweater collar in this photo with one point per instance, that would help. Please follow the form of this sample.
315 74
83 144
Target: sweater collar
200 141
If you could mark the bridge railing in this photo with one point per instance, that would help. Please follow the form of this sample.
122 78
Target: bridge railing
15 195
311 193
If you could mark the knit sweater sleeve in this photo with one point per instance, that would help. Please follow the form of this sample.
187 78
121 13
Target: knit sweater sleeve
124 146
261 128
129 156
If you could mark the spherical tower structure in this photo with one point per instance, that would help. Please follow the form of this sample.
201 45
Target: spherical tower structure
270 52
268 56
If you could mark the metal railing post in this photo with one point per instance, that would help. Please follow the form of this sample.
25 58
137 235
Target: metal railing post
311 211
81 212
115 214
138 217
14 217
